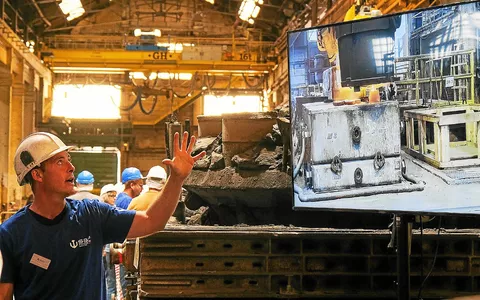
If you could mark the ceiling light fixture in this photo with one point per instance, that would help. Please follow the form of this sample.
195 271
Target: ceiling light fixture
249 10
156 32
72 9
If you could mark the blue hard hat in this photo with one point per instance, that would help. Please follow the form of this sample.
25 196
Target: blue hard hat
85 177
131 173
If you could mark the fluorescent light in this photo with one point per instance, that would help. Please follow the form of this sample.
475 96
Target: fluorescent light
75 14
249 10
172 47
88 70
184 76
256 11
138 75
210 1
179 76
72 9
152 76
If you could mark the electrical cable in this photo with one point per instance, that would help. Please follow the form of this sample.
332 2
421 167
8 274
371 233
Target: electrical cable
151 109
210 85
207 82
100 82
229 85
300 160
131 106
192 87
419 297
245 79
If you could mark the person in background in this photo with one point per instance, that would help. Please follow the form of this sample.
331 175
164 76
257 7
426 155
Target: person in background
85 182
108 194
156 178
133 181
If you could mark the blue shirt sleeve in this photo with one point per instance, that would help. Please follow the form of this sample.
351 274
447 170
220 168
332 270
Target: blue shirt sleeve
7 269
123 200
115 222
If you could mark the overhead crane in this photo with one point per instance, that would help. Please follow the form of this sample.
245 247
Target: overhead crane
111 55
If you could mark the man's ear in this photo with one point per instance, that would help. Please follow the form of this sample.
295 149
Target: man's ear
37 175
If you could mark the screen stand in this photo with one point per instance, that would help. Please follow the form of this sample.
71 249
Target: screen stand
404 234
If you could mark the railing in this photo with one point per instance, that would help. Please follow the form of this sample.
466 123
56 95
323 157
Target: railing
14 20
422 79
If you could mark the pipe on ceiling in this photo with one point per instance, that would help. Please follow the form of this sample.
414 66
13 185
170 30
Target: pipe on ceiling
45 20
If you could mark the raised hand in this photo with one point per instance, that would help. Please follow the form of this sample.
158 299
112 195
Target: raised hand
182 163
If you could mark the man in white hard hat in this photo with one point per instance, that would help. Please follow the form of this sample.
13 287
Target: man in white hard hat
108 193
52 249
115 285
156 178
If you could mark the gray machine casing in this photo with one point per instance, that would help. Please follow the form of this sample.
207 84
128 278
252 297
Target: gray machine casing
331 135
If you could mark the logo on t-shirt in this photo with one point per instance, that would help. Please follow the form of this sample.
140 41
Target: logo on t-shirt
80 243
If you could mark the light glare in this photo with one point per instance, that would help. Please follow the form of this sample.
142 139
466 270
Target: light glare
86 102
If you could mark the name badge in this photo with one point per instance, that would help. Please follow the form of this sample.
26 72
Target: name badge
40 261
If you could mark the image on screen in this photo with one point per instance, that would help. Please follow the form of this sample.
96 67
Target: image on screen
385 112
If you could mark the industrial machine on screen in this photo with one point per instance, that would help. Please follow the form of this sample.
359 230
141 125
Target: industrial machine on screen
386 105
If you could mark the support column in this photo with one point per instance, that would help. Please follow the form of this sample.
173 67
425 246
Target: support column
422 136
445 144
5 86
17 92
29 102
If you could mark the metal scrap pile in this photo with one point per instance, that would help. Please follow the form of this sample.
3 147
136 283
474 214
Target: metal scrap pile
242 193
267 154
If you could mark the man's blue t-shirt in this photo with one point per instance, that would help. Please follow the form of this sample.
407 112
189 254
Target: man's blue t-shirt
123 200
61 261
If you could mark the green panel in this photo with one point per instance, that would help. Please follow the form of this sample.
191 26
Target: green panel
103 166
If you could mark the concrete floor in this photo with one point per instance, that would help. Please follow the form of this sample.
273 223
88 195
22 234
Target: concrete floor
438 197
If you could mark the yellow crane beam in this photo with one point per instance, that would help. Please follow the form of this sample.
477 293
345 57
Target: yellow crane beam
117 61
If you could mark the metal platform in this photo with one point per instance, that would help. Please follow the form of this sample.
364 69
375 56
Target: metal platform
291 262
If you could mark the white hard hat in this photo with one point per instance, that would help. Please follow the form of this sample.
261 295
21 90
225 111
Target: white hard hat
108 188
157 172
35 149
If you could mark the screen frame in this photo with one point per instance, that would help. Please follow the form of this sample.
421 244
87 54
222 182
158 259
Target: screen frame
360 210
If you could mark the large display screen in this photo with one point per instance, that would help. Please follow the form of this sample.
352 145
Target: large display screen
384 112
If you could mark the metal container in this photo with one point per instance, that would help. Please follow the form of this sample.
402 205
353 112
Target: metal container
356 173
352 146
352 132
